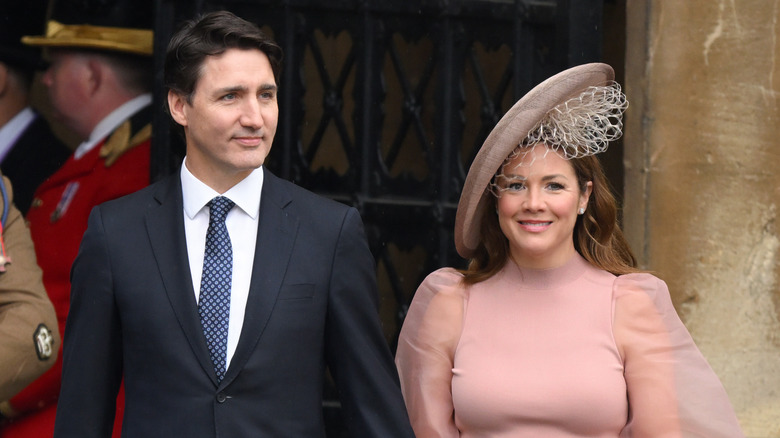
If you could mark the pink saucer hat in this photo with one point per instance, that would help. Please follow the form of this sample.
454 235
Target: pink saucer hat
510 131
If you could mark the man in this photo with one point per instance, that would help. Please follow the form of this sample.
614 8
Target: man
98 83
223 293
29 336
29 150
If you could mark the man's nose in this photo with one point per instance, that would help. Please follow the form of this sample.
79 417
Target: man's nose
252 115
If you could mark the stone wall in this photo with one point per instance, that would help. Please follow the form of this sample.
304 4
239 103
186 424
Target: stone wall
702 181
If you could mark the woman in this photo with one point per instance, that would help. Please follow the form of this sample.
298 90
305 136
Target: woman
552 331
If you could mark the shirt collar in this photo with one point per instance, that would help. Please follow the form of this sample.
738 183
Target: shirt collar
111 122
245 194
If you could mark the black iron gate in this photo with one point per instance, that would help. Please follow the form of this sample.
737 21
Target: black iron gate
384 103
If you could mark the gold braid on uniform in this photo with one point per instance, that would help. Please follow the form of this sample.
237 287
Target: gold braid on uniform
120 142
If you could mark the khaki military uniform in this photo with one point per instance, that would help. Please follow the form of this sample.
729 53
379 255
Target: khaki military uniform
29 336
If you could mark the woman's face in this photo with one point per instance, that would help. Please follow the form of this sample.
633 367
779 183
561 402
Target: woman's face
537 207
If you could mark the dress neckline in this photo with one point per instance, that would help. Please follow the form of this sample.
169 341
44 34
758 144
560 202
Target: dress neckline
545 279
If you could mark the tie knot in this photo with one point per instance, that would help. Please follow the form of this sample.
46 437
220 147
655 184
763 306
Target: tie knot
219 208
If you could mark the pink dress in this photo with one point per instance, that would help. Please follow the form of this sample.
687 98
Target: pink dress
567 352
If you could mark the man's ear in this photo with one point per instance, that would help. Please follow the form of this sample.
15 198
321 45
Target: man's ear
176 106
96 75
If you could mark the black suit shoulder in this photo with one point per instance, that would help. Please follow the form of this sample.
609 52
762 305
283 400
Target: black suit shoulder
139 201
304 200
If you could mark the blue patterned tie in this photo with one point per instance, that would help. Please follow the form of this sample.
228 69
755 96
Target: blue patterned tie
214 303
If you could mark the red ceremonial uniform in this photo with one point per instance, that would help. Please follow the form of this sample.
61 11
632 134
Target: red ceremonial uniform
58 219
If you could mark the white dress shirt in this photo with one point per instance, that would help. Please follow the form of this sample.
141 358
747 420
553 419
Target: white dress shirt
241 223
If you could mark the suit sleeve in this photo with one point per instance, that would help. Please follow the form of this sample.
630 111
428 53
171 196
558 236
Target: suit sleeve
92 354
357 353
29 336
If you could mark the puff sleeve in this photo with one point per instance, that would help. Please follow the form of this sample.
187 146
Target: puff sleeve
426 348
672 391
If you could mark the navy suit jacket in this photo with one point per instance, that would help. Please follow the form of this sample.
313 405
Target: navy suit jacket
312 304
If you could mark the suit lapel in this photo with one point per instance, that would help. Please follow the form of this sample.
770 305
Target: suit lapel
165 225
276 232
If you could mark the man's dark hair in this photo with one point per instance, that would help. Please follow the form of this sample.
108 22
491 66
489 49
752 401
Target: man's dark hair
210 35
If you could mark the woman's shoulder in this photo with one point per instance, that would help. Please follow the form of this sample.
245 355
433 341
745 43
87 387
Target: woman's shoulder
640 282
443 286
444 278
436 312
642 292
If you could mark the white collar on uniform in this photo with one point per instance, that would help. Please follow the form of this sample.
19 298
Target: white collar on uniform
111 122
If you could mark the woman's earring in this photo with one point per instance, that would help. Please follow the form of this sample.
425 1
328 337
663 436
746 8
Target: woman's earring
581 211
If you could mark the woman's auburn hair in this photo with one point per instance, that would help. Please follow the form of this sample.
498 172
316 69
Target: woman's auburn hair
597 236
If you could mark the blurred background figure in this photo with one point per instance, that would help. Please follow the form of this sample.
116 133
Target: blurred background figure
29 336
29 150
99 81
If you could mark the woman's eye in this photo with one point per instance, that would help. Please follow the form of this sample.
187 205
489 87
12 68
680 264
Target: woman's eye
555 186
514 185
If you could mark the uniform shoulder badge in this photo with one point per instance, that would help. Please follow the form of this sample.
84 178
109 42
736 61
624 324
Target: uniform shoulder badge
120 141
44 342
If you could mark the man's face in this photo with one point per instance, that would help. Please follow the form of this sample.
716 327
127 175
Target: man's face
68 80
231 120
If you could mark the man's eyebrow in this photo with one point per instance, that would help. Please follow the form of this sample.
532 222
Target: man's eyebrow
243 89
231 89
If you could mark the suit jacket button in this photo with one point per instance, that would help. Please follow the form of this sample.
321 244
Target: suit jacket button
221 397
